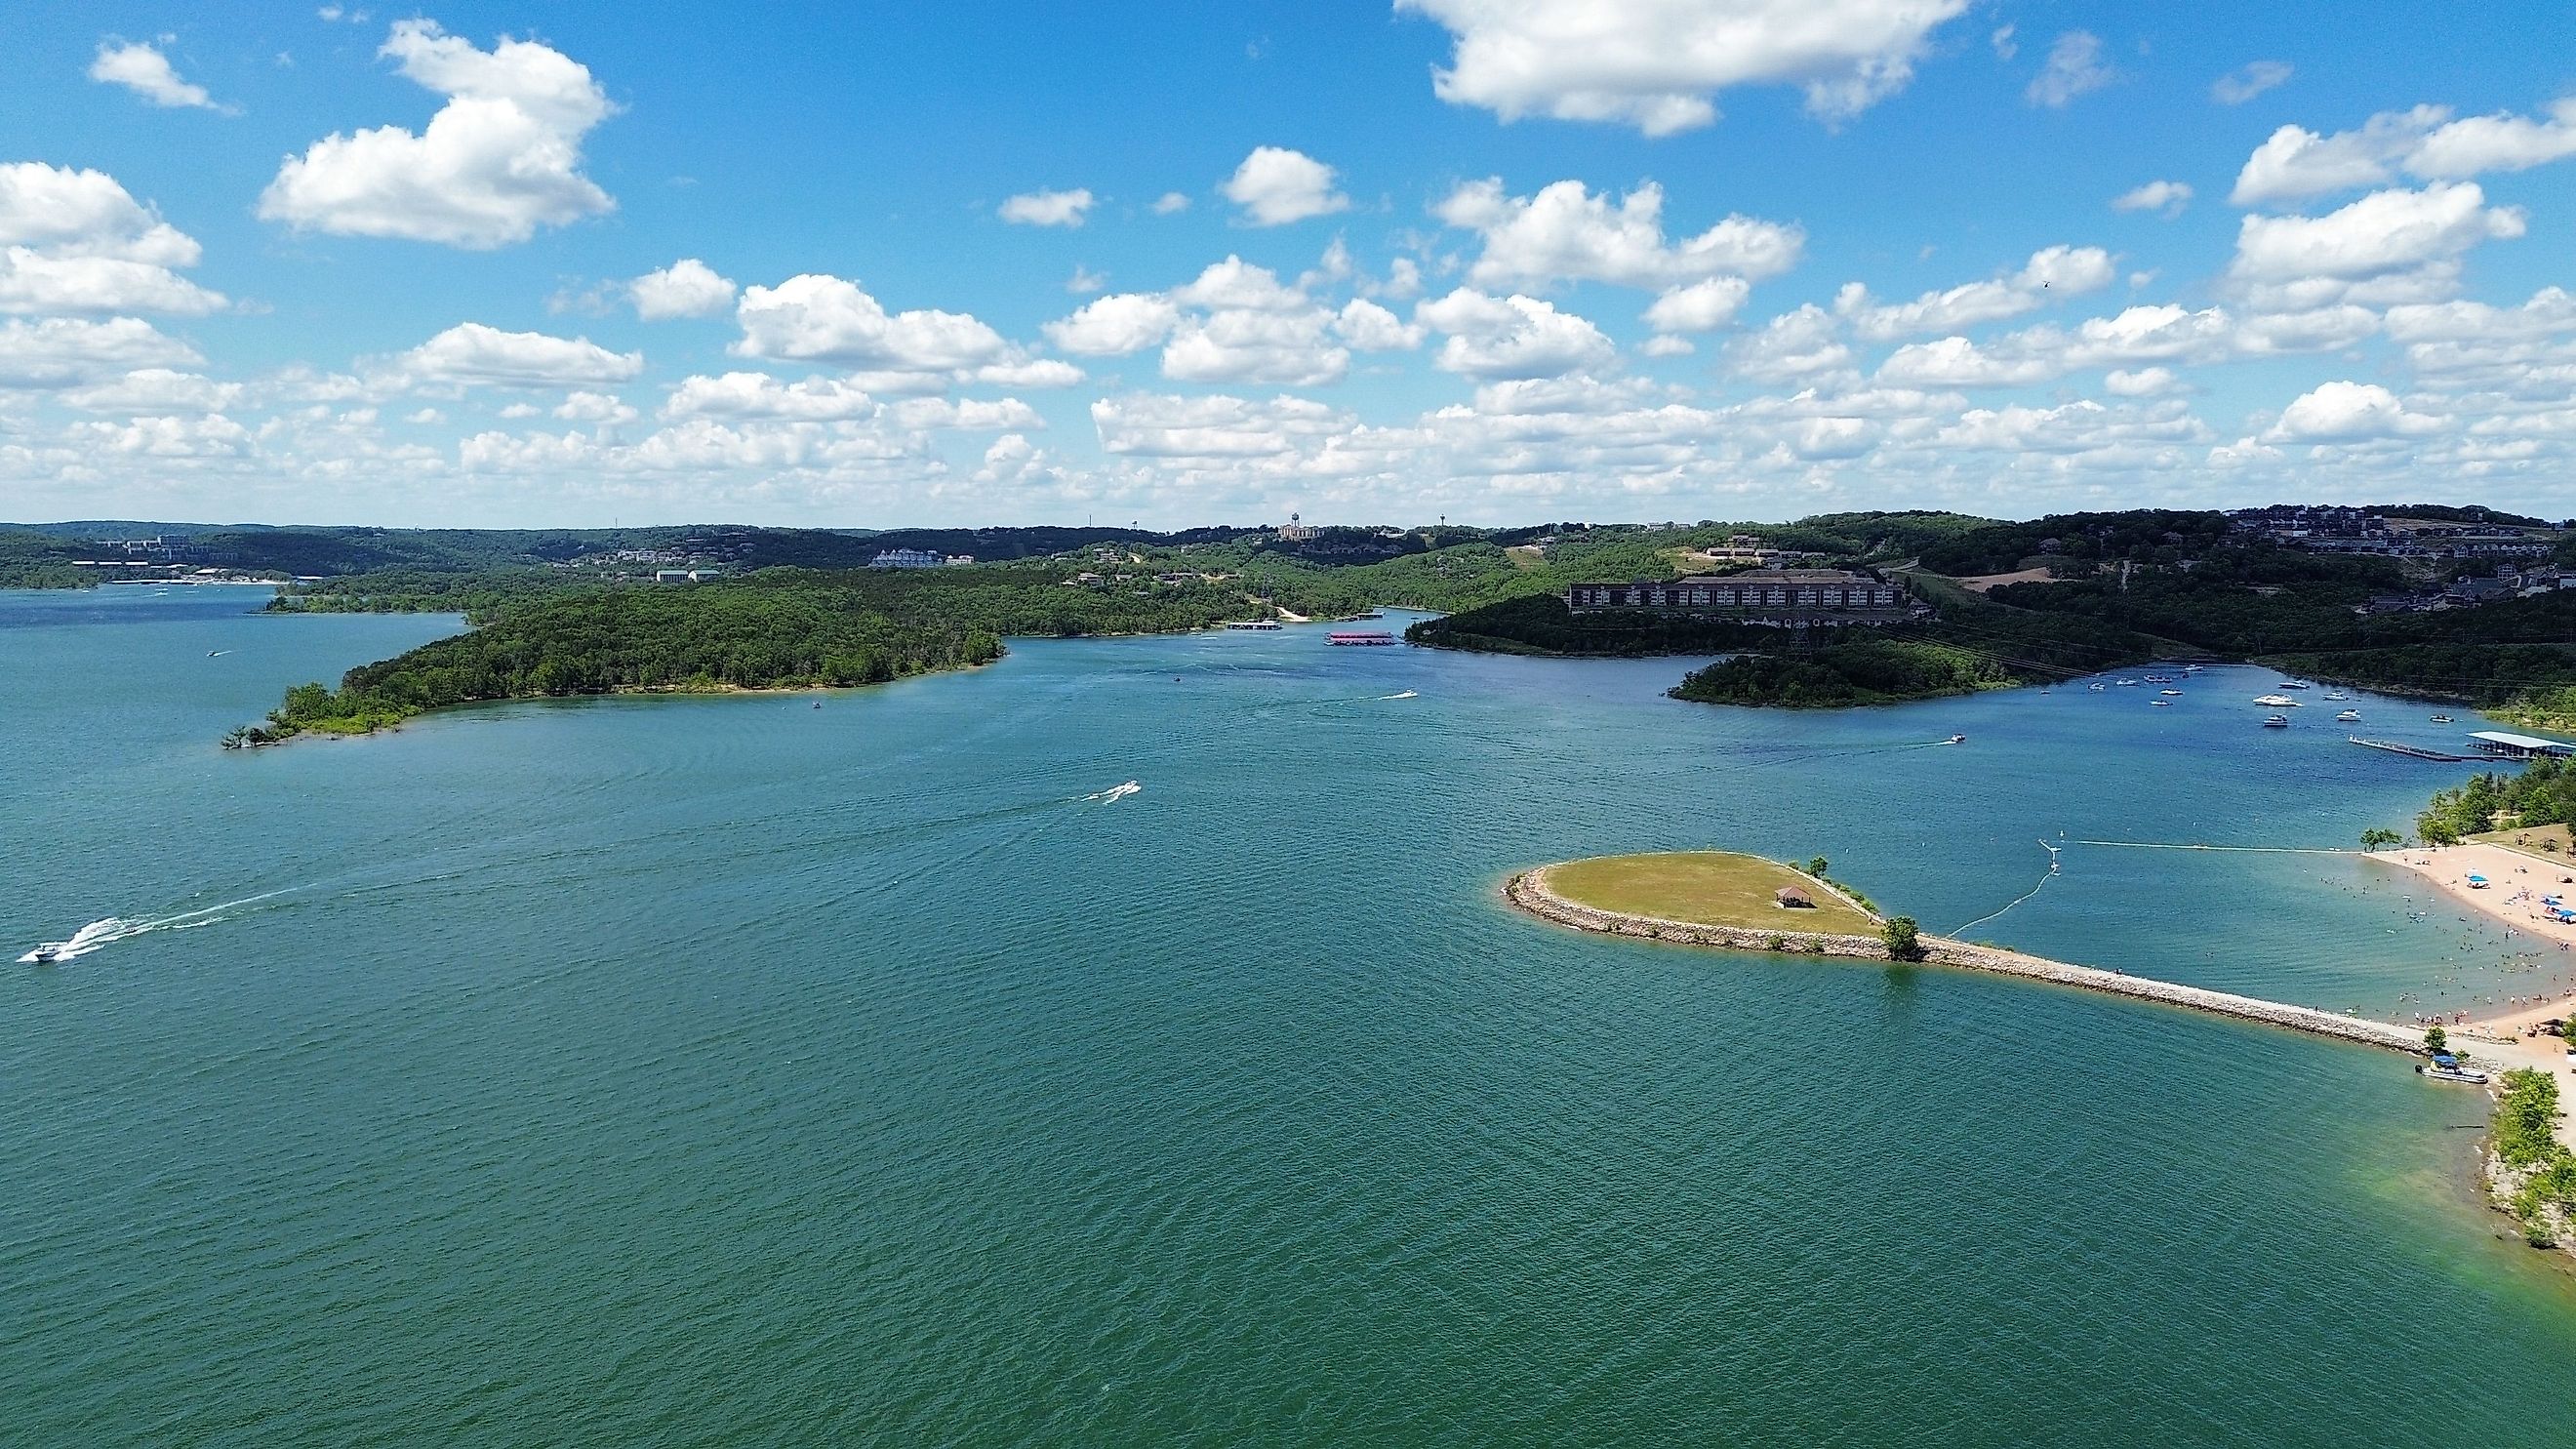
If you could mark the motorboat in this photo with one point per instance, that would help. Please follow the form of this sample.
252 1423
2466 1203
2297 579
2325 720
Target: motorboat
2124 683
2169 692
2191 669
46 955
2334 694
2159 679
1956 740
2441 719
2277 722
2348 716
2162 703
2294 684
2095 686
2276 701
2441 1073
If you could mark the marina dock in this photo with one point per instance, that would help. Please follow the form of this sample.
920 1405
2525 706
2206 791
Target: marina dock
2412 751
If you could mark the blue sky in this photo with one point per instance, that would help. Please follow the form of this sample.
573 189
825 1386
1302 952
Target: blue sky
1500 260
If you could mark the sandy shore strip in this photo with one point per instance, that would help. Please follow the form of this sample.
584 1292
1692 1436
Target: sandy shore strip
2515 884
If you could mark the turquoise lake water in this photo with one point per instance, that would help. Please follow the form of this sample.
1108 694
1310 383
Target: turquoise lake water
732 1071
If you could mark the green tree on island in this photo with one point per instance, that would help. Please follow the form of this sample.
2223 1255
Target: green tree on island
2436 1040
1817 866
1903 937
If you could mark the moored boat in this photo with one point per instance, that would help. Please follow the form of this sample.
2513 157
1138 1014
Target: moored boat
2276 701
2348 716
2440 1073
2441 719
2277 722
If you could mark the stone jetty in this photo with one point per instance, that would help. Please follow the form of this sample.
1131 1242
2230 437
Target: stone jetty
1528 891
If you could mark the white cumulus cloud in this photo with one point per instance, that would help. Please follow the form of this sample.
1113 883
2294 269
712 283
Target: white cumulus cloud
821 318
2058 271
144 70
1115 325
2425 142
1047 208
501 158
1701 306
685 288
1658 64
1275 186
54 352
2168 197
2348 412
1511 337
2384 232
471 353
1567 233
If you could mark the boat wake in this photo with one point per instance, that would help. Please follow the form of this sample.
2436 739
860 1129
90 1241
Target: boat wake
1115 793
112 929
1407 694
2025 895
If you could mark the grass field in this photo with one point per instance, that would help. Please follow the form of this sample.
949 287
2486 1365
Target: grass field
1704 887
2541 840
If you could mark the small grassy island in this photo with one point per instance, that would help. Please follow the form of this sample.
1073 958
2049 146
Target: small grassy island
1710 888
1741 903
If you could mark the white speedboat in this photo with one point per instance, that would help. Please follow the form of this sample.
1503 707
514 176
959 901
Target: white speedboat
2441 719
2348 716
2169 692
2277 722
2124 683
2334 694
2276 701
2440 1073
2095 686
2162 703
2294 684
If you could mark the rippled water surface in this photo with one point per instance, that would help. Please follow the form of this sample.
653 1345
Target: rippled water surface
736 1071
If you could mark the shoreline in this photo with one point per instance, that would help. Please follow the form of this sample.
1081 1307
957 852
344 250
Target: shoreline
2515 882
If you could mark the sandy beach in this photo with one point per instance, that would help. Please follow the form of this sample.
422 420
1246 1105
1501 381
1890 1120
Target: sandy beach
2507 1031
2515 884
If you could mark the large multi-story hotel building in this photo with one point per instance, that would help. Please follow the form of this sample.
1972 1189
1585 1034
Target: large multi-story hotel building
1788 596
